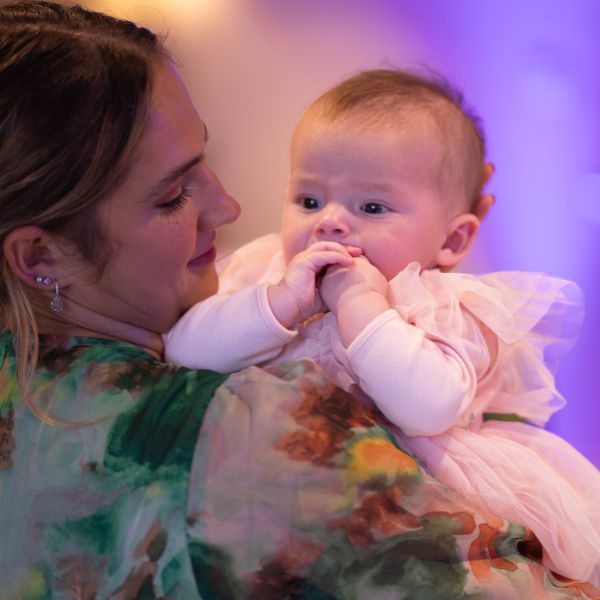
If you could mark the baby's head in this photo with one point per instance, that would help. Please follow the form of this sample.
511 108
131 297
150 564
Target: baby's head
390 162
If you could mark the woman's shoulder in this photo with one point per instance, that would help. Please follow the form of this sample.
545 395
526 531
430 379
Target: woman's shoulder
101 453
107 401
85 379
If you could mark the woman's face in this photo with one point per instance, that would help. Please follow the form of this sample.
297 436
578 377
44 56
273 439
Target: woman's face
161 222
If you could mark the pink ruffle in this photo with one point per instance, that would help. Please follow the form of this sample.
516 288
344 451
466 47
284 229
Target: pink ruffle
516 470
527 475
534 320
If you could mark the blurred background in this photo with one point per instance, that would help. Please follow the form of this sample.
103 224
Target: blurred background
530 68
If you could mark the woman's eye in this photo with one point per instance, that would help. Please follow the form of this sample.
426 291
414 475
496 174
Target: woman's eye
173 205
374 208
309 203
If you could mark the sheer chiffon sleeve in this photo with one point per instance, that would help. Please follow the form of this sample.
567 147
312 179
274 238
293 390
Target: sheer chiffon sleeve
295 489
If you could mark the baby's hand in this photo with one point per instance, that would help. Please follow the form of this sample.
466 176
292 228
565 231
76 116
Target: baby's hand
342 282
356 295
295 298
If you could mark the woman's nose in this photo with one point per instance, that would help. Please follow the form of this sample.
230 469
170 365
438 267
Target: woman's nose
231 208
223 208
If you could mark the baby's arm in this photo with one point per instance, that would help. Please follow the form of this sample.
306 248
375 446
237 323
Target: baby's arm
421 384
228 332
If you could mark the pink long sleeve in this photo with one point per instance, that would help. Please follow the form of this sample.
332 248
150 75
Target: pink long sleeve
421 385
227 332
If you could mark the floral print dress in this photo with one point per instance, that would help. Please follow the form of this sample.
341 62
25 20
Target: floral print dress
159 482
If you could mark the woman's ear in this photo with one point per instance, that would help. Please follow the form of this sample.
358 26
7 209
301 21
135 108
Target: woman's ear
32 251
460 235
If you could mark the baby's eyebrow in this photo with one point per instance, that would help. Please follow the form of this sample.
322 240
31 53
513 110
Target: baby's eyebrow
306 179
376 186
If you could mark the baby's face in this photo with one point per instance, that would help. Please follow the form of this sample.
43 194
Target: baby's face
379 190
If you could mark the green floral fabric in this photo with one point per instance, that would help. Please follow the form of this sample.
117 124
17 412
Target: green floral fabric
160 482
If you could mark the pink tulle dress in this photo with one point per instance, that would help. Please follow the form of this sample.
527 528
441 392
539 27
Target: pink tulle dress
498 453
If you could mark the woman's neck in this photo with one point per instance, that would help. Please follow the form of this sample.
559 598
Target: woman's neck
79 321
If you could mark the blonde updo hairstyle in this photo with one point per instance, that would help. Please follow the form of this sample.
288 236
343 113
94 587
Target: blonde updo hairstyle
74 95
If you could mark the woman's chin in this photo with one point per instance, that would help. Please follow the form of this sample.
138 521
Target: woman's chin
207 285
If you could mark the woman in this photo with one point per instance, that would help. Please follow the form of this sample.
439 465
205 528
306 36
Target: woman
123 477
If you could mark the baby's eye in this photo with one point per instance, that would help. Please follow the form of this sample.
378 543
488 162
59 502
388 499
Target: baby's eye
374 208
309 203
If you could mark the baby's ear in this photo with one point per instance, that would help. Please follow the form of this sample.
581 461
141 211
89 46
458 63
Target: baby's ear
460 235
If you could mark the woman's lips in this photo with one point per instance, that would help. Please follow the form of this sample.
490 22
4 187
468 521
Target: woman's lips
204 259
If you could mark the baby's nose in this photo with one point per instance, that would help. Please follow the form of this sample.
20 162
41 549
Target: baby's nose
332 225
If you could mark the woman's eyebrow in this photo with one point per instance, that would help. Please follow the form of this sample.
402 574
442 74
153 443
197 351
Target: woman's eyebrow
175 174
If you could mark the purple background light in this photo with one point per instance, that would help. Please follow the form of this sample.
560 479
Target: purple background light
532 70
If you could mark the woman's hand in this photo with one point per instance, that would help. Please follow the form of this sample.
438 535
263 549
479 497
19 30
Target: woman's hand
295 297
485 201
356 294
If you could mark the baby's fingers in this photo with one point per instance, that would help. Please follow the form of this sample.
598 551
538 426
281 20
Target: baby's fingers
334 247
324 258
354 251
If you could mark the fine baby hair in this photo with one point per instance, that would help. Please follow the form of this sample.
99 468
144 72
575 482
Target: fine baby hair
396 99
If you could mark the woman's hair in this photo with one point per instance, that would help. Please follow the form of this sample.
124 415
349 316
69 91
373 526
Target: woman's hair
395 98
74 94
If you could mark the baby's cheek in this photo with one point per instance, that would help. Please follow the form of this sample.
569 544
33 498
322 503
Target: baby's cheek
388 263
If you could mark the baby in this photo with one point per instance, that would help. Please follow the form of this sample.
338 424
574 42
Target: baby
383 201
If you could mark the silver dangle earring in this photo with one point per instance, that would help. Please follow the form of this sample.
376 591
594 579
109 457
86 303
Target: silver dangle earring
56 304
